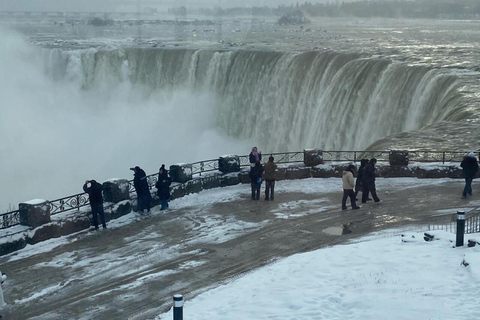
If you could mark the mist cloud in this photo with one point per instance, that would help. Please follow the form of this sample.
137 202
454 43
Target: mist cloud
55 135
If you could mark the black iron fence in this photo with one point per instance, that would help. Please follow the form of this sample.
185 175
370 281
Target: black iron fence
10 219
75 202
448 223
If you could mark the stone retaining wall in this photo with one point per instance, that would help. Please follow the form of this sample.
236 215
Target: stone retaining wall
115 189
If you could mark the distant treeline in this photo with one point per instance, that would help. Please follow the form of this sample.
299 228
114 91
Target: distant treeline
435 9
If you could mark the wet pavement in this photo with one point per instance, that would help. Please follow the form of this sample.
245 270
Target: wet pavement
132 271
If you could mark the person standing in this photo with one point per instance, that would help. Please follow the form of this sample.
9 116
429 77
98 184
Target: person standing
348 185
470 168
359 181
269 177
144 198
256 180
96 201
163 187
254 157
369 181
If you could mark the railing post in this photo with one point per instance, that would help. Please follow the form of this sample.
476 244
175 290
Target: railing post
178 307
460 228
354 156
443 157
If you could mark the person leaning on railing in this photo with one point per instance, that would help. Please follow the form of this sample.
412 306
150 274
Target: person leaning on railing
96 201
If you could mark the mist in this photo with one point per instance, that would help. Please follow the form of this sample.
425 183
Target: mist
55 135
112 6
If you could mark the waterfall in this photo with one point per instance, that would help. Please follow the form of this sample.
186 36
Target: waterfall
282 100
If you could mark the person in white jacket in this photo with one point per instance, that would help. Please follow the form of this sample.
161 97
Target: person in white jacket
348 186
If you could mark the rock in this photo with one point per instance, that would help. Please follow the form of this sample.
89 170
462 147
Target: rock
312 157
227 164
34 213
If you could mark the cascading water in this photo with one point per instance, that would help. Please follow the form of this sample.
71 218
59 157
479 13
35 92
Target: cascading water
288 101
72 115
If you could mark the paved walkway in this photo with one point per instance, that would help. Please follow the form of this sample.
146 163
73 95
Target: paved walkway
132 272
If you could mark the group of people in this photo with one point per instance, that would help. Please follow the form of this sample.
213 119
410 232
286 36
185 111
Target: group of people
144 197
258 173
364 183
366 180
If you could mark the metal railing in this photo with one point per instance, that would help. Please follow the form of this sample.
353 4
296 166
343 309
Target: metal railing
77 201
10 219
68 203
449 223
204 166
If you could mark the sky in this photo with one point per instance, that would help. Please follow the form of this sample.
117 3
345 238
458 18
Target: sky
392 274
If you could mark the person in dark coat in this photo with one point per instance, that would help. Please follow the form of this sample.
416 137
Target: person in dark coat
254 157
96 201
256 180
163 187
359 181
368 179
269 177
470 168
144 198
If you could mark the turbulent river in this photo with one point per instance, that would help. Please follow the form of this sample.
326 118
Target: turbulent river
82 102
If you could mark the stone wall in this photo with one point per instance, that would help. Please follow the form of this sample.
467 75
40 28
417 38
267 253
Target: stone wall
35 213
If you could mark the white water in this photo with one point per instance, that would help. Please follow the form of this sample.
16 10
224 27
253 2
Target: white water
284 101
73 115
55 134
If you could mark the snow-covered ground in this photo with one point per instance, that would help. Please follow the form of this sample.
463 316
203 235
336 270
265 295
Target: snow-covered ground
371 278
375 277
380 276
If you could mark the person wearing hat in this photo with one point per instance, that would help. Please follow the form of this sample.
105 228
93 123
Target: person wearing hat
144 198
348 185
96 201
470 168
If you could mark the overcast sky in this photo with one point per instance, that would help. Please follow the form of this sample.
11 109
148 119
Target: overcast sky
107 5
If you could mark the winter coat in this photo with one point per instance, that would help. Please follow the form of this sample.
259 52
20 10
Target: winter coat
269 173
359 181
252 158
347 179
255 173
368 175
94 193
140 183
163 186
470 167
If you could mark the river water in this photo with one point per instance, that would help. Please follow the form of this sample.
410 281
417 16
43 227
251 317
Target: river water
85 102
